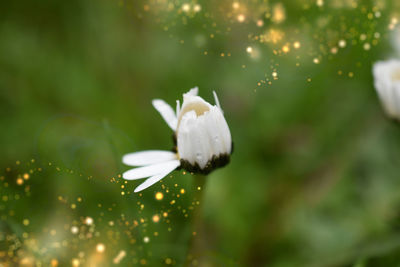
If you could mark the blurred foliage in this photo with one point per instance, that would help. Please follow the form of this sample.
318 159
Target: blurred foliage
314 177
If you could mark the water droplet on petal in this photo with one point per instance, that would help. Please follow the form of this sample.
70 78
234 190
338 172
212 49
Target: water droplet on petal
198 156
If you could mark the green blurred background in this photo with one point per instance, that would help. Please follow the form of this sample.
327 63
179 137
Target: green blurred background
314 178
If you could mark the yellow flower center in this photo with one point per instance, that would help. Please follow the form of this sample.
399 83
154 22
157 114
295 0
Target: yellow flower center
199 108
396 75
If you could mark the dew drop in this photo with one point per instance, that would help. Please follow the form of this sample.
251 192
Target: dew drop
198 156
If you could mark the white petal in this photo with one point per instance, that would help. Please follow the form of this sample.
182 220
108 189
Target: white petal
166 112
214 132
396 98
218 132
201 142
202 137
185 149
148 157
216 100
193 103
395 38
193 139
154 179
150 170
387 86
194 91
149 182
224 131
178 108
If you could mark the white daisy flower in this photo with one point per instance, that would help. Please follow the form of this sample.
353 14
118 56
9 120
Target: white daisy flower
202 141
387 84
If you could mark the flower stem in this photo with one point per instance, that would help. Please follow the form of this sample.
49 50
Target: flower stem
197 241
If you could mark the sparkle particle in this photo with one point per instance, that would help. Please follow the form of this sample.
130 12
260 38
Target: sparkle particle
54 263
197 8
278 13
367 46
159 196
156 218
74 230
100 248
119 257
186 7
342 43
285 49
89 221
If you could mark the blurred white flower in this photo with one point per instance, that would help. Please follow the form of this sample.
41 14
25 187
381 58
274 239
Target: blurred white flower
387 84
202 136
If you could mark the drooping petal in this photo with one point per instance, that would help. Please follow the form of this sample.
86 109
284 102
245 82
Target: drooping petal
172 165
166 112
149 182
148 157
143 172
